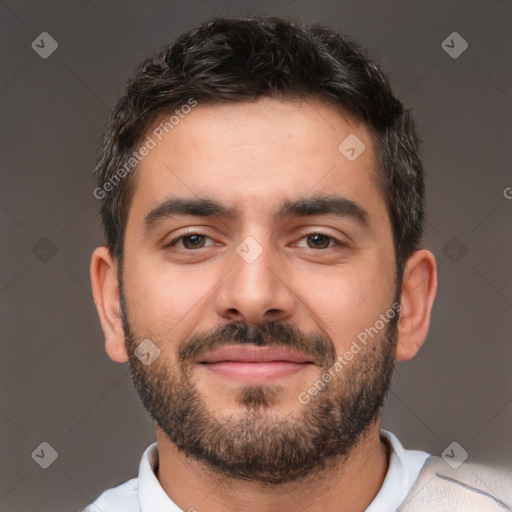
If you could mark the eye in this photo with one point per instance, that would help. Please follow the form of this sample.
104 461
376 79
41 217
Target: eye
195 240
321 240
189 241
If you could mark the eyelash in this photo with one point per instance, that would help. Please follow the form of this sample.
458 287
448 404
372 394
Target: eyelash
337 243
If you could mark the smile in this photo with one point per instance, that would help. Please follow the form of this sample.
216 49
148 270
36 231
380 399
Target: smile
254 363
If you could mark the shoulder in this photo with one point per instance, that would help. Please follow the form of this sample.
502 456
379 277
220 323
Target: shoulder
469 488
122 498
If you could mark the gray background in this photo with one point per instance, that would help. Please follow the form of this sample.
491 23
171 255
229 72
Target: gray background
57 383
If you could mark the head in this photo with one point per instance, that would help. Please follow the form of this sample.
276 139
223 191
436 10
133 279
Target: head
261 186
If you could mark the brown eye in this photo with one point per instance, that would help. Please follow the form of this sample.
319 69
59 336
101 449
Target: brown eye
318 241
190 242
193 241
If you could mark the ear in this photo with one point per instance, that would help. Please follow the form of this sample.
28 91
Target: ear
419 288
105 290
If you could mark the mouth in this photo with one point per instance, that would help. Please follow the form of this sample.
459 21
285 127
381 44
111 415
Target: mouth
251 363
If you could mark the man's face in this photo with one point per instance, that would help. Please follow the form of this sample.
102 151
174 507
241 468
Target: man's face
306 280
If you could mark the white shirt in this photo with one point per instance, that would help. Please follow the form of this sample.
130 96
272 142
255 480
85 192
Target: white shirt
145 494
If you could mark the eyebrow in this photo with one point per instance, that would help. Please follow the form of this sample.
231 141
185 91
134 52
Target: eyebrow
307 207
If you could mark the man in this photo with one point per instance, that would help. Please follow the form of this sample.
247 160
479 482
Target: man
262 196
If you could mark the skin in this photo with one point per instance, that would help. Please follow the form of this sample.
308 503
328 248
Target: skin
252 156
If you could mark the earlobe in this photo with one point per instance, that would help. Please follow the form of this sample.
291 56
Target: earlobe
419 288
106 295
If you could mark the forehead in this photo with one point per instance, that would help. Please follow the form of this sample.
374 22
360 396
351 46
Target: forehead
252 156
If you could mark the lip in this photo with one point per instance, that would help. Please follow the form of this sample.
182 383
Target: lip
254 354
254 364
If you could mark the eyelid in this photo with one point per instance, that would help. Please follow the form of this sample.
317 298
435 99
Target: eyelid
305 232
321 231
185 233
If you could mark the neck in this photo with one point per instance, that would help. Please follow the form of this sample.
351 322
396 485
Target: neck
350 485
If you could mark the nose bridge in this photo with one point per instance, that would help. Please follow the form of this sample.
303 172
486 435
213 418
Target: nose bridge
258 261
255 289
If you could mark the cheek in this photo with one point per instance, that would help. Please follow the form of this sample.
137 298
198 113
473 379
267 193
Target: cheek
161 297
347 300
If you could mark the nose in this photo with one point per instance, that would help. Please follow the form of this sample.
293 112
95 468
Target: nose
257 288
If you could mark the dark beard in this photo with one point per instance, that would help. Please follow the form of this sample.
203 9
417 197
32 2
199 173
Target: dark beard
261 446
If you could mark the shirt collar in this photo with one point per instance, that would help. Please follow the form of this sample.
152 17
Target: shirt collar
152 497
404 468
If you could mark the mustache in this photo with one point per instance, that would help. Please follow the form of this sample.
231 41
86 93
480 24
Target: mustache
316 346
